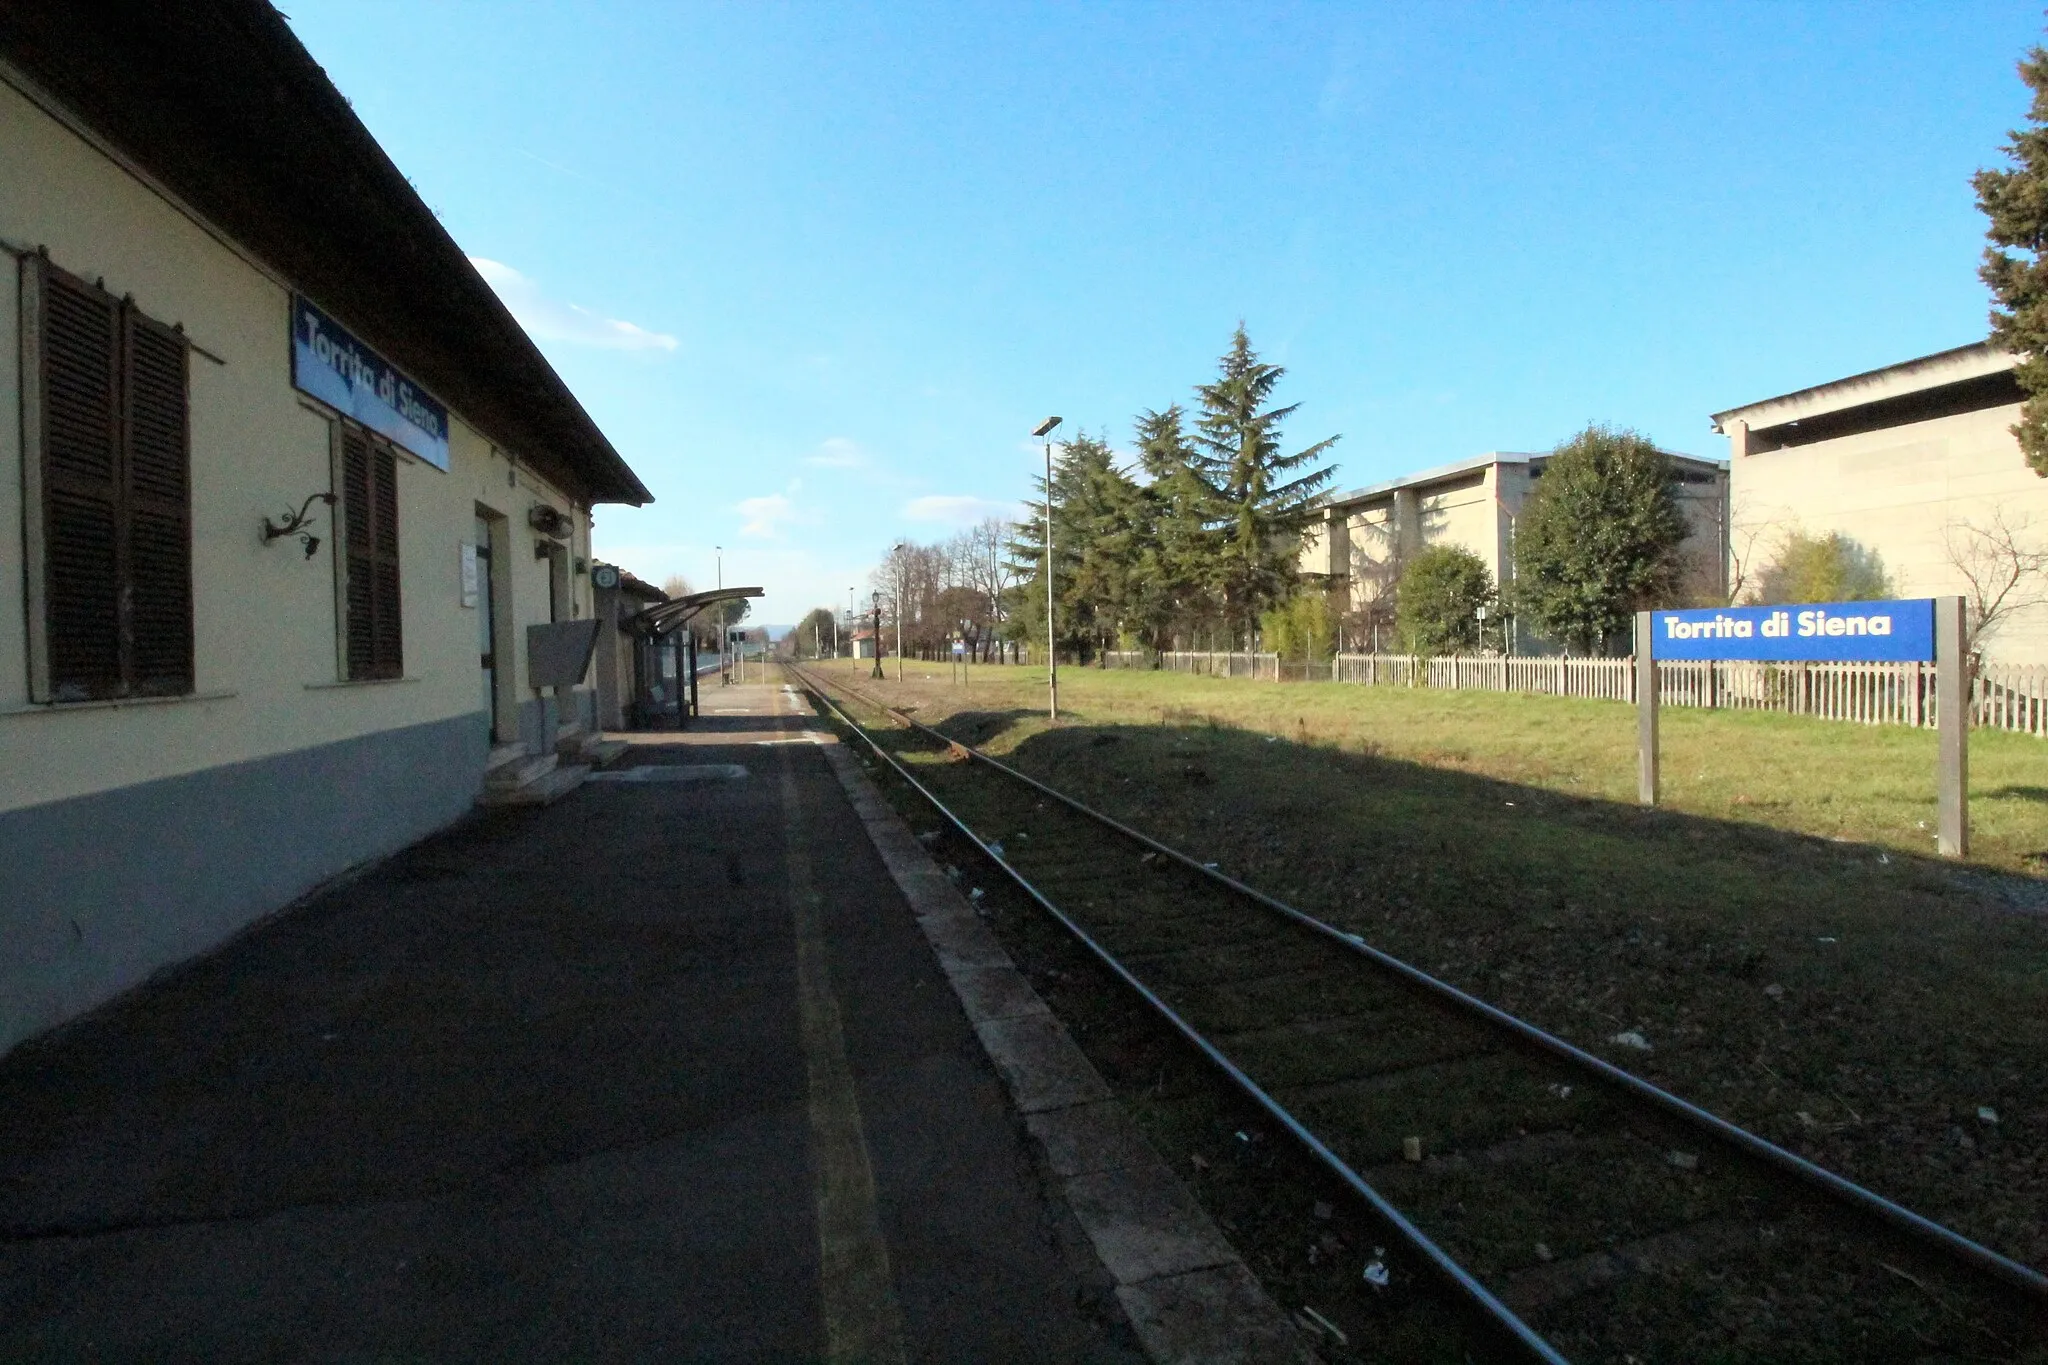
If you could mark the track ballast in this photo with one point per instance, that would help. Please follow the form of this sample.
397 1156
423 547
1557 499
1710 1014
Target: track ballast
1578 1211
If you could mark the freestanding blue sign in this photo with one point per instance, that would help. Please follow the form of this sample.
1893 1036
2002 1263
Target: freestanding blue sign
1900 632
1919 630
330 364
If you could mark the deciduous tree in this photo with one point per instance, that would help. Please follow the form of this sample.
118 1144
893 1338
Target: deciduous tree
814 635
1301 628
1437 605
2005 563
1598 539
1829 568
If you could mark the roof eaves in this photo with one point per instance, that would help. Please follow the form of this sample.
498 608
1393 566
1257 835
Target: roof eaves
1970 361
217 101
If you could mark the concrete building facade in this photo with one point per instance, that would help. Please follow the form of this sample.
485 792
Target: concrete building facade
198 723
1915 462
1367 534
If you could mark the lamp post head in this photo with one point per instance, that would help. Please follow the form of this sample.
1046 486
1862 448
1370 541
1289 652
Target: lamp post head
1045 428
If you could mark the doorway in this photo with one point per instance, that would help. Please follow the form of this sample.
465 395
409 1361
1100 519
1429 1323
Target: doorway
493 608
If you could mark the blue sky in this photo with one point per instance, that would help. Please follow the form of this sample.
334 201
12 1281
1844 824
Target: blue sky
817 269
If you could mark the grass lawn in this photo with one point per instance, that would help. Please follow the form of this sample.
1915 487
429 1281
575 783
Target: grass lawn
1780 933
1866 784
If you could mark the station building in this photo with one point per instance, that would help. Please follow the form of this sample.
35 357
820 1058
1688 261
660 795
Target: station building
1365 536
224 311
1904 461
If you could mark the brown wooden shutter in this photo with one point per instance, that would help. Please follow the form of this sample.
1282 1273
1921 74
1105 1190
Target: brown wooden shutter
356 551
82 502
388 636
369 493
157 497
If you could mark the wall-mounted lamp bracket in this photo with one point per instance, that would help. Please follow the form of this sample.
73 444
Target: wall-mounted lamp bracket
298 524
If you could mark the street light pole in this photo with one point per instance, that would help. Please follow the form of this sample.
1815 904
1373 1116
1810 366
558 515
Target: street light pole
902 586
877 604
1052 656
723 676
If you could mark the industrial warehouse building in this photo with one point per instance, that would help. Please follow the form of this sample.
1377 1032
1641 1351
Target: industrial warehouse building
1365 536
1913 462
223 307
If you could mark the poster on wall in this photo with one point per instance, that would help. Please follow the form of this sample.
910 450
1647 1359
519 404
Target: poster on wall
331 365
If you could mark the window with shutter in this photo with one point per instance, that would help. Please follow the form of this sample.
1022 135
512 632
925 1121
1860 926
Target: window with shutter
157 496
113 581
373 640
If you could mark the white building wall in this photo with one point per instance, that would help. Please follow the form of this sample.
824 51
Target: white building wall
134 834
1897 491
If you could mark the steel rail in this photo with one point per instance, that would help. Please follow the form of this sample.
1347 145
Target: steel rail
1946 1239
1498 1314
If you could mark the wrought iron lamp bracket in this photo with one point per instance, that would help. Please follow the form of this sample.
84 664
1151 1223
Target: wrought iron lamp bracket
298 524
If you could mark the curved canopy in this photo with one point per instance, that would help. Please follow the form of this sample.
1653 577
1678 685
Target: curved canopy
663 617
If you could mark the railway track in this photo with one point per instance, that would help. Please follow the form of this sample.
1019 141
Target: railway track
1577 1211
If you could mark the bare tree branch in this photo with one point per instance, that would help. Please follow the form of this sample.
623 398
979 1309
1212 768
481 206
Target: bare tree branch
2004 563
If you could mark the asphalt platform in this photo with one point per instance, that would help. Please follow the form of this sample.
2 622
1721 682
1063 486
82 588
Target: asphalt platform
665 1071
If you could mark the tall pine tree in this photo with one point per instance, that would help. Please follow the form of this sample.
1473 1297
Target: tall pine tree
1096 519
1178 539
1262 512
2016 202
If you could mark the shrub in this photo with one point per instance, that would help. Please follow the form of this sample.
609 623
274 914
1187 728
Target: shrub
1303 627
1436 606
1829 568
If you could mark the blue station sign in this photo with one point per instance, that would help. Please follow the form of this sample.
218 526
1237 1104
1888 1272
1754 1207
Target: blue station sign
331 365
1815 631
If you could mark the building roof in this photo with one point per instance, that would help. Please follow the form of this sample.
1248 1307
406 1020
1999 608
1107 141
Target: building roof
218 102
1962 379
1442 472
635 586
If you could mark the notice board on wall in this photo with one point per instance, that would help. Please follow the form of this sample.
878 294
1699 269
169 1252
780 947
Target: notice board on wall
558 655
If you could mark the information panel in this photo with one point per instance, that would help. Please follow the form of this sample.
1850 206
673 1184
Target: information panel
329 363
1887 632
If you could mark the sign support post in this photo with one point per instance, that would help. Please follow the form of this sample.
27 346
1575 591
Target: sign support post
1646 713
1952 721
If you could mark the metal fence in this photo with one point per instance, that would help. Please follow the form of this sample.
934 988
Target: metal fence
2002 696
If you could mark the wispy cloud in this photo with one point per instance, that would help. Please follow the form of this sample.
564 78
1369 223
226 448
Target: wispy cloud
837 452
764 517
956 509
547 319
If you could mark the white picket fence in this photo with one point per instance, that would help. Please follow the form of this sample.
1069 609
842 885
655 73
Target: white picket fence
2002 696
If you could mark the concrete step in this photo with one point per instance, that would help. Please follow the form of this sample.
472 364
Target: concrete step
528 769
599 753
502 754
543 790
570 739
